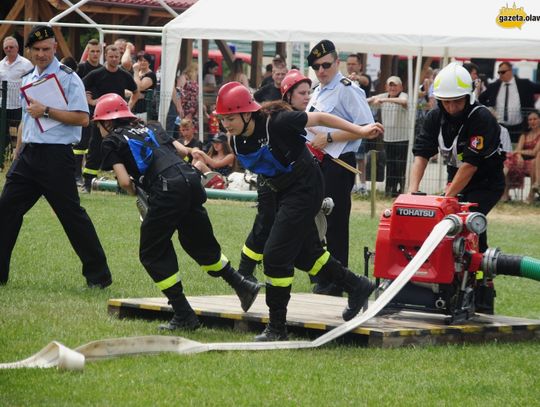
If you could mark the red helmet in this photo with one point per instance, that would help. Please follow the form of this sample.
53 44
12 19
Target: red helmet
233 97
293 77
112 106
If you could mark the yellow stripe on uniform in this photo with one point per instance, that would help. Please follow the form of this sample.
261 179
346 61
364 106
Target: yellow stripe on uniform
80 152
319 263
217 266
251 254
169 281
280 282
89 171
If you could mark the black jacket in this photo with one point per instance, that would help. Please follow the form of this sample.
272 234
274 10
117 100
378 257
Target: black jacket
526 90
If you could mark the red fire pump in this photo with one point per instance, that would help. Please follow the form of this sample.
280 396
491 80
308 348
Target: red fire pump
456 278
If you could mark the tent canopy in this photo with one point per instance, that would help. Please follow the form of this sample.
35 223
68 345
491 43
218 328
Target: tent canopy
460 28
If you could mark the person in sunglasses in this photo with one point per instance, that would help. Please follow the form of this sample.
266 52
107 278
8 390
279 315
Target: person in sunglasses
512 98
341 97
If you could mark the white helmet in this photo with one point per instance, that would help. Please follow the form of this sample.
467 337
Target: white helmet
453 82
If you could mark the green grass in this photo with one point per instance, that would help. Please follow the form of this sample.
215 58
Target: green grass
46 300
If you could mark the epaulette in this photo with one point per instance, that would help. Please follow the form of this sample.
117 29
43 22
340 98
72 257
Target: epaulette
346 81
26 73
66 69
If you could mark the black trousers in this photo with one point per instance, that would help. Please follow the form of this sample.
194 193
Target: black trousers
338 183
93 157
175 205
48 170
264 219
396 166
293 239
486 195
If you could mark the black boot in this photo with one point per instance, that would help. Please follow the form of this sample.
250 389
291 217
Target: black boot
87 185
323 286
358 288
246 290
184 317
277 299
247 268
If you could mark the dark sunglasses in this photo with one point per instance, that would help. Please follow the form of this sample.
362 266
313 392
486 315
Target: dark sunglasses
502 72
325 65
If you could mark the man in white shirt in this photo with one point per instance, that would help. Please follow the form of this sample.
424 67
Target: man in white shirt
12 67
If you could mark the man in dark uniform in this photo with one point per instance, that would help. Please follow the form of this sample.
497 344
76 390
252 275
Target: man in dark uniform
45 165
84 68
341 97
468 137
110 78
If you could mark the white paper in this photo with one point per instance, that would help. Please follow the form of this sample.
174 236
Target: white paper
333 149
49 93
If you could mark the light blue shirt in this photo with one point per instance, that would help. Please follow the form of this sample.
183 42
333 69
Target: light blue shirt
345 101
76 101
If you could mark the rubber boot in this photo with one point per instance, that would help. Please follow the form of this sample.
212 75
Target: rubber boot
277 299
247 268
357 287
325 287
184 317
484 295
246 290
87 186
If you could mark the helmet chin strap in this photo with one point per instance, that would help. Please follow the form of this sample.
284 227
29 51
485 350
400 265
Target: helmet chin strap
246 124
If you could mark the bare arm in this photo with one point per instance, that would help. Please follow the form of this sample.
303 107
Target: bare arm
417 173
123 178
355 131
181 149
71 117
461 179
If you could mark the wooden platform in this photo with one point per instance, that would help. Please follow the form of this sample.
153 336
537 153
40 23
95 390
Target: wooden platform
311 315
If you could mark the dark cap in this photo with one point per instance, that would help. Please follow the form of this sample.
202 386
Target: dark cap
220 138
39 33
323 48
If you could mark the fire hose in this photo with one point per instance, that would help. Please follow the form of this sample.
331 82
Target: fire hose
57 355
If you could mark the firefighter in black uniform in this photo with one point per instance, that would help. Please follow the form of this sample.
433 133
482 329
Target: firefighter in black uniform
270 142
467 136
146 157
45 165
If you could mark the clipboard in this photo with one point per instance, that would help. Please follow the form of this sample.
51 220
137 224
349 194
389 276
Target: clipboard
334 149
48 92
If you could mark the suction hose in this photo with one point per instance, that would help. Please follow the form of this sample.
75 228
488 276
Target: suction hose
496 263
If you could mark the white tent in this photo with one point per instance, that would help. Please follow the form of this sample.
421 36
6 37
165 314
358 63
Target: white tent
462 28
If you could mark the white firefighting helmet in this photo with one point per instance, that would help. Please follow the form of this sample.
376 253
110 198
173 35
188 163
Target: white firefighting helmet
453 82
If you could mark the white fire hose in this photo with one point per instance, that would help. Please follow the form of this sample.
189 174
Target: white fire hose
56 354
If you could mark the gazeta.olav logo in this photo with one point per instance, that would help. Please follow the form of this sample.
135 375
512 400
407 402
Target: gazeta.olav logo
514 17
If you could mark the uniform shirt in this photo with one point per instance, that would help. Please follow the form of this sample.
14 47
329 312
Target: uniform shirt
345 100
76 101
478 139
287 133
12 73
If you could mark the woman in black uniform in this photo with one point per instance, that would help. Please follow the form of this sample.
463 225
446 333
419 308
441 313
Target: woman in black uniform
270 142
144 156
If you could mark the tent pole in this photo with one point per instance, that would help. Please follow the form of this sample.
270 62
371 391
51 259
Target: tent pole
201 90
412 113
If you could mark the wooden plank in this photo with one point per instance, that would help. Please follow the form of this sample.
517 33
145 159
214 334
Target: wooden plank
322 313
